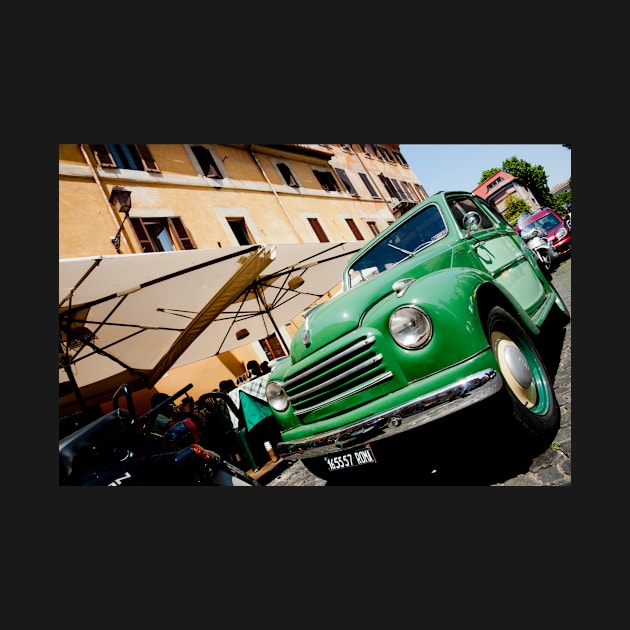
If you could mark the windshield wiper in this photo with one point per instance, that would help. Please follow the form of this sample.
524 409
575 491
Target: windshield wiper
400 249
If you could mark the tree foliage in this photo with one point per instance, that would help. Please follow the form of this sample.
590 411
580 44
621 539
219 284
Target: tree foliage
533 177
562 202
514 207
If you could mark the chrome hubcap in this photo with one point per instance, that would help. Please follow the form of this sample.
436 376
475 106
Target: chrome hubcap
515 369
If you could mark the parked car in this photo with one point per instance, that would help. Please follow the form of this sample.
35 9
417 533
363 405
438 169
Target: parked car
439 312
558 233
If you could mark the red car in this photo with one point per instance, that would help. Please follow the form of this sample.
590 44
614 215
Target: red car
558 232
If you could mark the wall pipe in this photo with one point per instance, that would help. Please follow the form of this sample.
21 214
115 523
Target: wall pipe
114 214
273 190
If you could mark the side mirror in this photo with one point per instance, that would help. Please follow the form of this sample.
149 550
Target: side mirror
471 222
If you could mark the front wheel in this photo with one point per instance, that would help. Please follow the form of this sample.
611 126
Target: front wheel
527 385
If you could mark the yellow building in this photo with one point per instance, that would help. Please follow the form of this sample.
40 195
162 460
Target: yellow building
187 196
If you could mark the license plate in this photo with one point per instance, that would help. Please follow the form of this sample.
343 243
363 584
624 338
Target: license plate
358 457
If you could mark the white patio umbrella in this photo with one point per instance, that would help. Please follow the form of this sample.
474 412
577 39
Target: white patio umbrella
128 318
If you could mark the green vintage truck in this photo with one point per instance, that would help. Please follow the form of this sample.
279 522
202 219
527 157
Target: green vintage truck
440 311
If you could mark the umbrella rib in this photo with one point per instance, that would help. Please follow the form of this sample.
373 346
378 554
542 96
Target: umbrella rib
68 297
235 318
139 326
97 350
111 357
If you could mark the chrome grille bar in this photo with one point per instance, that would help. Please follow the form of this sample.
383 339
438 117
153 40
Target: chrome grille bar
341 378
350 350
375 381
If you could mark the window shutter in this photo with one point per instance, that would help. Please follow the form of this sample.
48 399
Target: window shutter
184 240
346 182
402 195
317 228
355 230
212 171
387 182
102 155
148 162
142 235
369 186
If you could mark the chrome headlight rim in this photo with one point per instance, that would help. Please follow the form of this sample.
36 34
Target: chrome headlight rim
411 327
276 395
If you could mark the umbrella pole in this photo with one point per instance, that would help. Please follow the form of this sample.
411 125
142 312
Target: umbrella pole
75 388
260 296
279 334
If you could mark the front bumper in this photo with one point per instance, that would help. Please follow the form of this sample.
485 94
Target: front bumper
431 406
562 247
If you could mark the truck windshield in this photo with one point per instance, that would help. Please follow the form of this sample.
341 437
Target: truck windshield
416 233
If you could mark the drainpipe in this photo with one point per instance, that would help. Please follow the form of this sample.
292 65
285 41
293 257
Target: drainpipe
274 192
115 216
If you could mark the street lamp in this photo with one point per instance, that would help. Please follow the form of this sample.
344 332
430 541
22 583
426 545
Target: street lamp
121 200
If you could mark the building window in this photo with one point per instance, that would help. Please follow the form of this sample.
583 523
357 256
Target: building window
385 153
319 231
206 162
400 158
373 228
327 180
287 175
496 182
355 230
347 148
345 180
135 157
376 150
366 150
368 185
239 228
272 347
162 234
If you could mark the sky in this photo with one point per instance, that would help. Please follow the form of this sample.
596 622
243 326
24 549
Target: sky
459 166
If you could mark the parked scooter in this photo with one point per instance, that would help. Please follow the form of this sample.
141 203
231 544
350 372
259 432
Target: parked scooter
119 449
534 236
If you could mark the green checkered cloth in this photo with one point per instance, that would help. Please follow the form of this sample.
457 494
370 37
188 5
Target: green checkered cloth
250 397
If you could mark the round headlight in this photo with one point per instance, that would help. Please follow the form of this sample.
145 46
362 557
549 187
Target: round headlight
410 327
276 396
562 232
